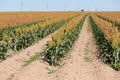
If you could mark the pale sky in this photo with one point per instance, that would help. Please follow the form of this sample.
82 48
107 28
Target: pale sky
59 5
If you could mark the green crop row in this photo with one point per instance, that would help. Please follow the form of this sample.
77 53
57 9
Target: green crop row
25 40
115 23
55 52
10 30
108 55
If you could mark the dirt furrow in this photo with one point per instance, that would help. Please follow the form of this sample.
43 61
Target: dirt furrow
84 63
15 62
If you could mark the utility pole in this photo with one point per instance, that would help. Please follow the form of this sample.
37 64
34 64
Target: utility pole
21 6
77 7
31 9
64 7
96 9
47 6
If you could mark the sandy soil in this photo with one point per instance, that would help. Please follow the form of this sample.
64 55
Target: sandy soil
84 63
81 63
14 63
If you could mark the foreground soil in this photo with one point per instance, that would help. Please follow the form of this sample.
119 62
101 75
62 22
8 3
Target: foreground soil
16 62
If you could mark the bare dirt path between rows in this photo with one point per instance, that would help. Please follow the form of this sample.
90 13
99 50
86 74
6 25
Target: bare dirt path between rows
84 63
81 63
15 62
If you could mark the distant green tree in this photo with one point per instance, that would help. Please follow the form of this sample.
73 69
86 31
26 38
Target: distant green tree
82 10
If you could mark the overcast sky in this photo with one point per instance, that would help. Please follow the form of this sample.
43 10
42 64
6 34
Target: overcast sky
59 5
